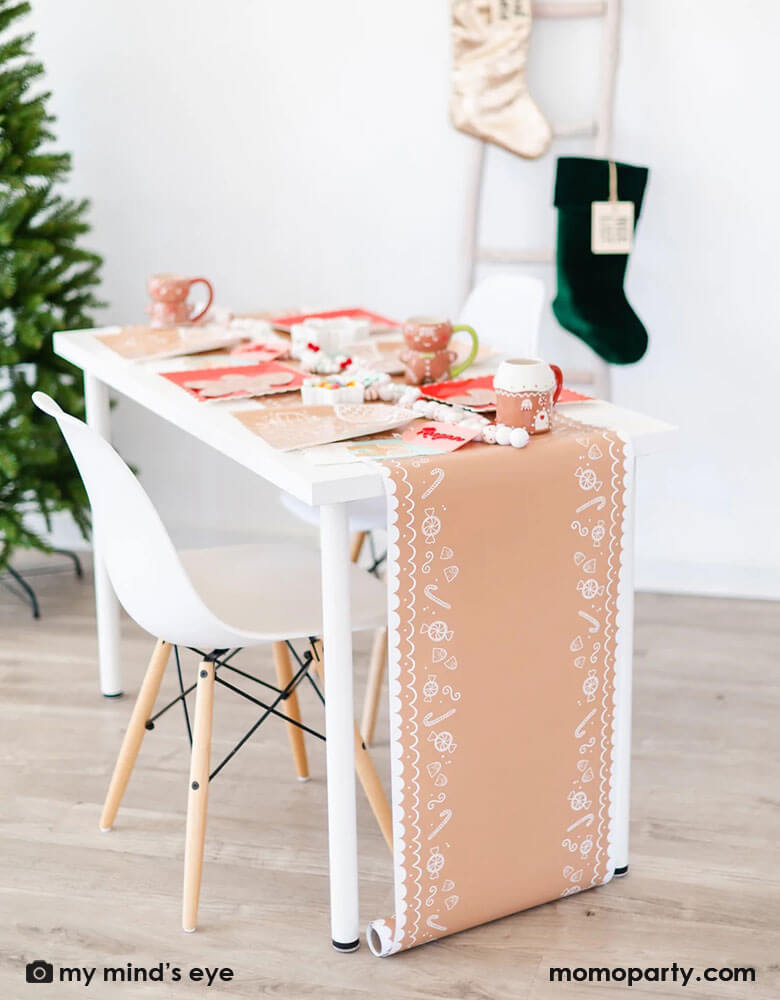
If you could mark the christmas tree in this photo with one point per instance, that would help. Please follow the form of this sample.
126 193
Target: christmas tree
47 283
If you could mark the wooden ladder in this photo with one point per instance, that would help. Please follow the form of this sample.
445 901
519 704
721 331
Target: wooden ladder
599 129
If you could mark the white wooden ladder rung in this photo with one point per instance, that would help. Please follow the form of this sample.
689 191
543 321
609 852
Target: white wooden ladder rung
569 10
575 130
497 255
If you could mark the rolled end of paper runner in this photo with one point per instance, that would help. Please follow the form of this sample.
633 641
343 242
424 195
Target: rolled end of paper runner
380 938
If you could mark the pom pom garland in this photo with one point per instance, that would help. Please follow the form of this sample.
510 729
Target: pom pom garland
411 397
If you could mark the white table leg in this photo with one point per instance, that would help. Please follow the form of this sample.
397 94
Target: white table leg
106 604
339 727
624 662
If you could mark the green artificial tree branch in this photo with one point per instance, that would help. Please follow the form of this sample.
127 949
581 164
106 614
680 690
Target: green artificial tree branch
48 282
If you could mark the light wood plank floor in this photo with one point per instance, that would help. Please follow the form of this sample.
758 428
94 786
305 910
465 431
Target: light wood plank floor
704 888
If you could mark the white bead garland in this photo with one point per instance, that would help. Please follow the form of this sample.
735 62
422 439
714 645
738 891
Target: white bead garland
411 397
503 434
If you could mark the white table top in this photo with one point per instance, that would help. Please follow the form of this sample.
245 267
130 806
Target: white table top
290 471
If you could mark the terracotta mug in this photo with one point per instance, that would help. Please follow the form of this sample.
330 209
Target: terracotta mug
169 305
428 357
526 391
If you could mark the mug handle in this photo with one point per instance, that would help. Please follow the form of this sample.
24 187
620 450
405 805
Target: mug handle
558 382
205 309
458 369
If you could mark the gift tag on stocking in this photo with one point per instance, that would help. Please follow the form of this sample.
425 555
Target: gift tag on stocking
611 226
612 222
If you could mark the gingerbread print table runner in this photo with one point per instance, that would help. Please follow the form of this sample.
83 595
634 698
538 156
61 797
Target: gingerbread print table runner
505 587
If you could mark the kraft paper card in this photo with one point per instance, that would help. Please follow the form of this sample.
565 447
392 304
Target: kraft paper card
237 382
506 585
307 426
143 343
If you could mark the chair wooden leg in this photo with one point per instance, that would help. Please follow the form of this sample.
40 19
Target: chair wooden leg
356 545
134 735
197 799
372 786
376 673
366 772
284 675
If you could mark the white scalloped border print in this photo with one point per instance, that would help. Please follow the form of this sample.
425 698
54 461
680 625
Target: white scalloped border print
613 747
385 937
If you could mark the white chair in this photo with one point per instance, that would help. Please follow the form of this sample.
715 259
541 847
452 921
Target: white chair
213 600
505 310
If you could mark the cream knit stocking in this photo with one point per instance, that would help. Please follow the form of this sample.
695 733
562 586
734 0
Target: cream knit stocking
490 98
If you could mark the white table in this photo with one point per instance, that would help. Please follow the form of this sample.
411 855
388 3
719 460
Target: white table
330 488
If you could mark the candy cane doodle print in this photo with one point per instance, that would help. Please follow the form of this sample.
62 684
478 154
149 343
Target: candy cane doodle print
429 720
431 592
445 815
438 476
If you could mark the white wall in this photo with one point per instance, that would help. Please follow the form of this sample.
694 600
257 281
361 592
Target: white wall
301 153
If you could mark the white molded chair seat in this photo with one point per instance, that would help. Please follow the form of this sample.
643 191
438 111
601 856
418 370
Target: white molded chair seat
272 590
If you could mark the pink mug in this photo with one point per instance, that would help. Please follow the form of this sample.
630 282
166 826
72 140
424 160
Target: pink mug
428 356
169 305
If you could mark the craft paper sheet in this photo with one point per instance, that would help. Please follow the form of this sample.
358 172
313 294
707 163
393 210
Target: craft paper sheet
143 343
505 604
306 426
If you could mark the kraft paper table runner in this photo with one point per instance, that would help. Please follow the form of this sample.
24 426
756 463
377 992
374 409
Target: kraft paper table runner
505 583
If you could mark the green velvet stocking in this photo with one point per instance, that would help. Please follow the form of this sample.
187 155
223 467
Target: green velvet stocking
591 302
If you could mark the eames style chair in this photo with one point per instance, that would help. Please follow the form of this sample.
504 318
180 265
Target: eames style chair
215 601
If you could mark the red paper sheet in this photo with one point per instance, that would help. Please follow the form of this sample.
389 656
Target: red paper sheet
238 382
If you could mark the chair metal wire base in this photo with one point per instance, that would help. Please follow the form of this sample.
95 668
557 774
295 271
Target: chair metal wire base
221 658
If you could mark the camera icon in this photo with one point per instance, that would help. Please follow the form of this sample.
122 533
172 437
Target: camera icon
39 972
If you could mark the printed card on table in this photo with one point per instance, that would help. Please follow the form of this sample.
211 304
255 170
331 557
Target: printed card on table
436 438
420 438
237 382
144 343
307 426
